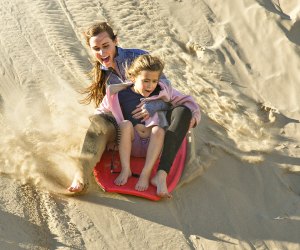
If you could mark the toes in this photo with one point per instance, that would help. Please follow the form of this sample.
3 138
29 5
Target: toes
76 188
116 181
121 180
141 187
164 195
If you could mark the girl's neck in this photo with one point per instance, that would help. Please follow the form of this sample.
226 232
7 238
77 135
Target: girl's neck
134 90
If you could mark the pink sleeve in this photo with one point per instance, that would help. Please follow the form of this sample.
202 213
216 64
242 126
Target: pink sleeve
178 98
104 106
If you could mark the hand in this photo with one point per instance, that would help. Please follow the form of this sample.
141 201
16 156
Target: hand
192 122
140 113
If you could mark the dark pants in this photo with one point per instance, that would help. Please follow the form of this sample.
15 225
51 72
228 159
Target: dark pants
179 119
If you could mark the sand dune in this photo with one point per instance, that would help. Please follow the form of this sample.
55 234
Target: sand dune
240 188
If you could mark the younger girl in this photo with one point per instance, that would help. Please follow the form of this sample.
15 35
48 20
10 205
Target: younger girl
138 137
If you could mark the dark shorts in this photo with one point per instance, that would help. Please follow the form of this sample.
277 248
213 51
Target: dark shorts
139 145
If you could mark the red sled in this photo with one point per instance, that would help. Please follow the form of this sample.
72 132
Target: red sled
108 168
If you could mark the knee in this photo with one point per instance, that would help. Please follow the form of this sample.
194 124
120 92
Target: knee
158 132
184 113
180 118
99 125
126 125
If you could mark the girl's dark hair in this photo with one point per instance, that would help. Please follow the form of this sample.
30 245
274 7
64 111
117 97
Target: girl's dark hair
96 91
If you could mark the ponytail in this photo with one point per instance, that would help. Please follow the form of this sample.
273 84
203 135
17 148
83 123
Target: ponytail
96 91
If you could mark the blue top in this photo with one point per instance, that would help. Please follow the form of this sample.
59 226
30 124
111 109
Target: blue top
129 100
123 58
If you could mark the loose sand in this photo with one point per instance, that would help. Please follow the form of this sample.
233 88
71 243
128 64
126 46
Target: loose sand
241 185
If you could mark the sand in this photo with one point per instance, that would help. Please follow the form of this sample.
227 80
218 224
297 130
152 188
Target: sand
241 185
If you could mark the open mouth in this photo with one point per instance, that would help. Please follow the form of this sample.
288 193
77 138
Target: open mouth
105 59
147 93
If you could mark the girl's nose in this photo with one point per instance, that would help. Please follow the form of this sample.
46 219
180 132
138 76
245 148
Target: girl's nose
100 52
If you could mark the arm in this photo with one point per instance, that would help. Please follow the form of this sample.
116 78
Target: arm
156 105
153 107
177 98
104 107
164 79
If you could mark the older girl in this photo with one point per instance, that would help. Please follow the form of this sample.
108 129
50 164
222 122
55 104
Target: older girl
109 68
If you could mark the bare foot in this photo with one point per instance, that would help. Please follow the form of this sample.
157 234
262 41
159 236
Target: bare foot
77 184
143 182
160 181
123 177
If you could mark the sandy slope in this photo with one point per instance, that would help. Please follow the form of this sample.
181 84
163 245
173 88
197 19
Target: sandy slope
240 188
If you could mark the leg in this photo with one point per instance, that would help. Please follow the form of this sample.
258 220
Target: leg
153 151
179 119
92 149
126 129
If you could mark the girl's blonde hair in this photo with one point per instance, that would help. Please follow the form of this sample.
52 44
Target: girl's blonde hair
96 91
144 62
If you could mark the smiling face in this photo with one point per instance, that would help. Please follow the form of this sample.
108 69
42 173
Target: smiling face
104 49
145 82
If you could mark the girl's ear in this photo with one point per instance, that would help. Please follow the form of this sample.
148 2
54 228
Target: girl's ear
132 79
116 41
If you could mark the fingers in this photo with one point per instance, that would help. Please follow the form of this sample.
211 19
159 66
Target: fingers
145 118
140 105
136 111
192 123
140 114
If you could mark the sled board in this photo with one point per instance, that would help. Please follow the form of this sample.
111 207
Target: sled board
105 174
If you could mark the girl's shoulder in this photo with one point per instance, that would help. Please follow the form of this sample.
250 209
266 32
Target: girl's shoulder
132 50
164 86
129 53
116 88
